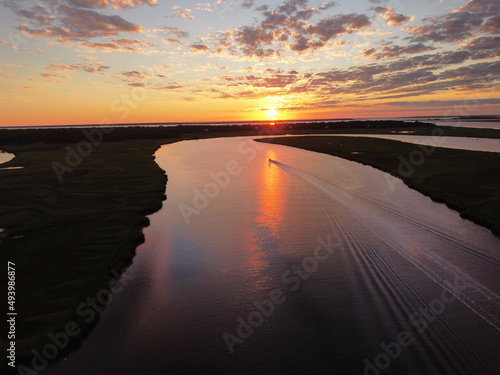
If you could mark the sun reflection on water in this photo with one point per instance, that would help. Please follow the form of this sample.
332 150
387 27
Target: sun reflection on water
262 236
271 197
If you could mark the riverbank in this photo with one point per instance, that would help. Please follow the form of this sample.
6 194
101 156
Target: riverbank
466 181
69 237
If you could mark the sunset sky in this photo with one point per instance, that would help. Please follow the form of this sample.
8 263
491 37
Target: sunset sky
125 61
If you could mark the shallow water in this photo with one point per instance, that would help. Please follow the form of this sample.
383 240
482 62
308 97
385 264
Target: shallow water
353 260
5 157
489 124
462 143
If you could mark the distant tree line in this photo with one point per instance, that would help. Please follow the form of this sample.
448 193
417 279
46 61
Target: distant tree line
121 132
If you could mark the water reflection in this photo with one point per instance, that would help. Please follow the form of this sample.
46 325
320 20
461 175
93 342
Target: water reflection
271 197
262 232
256 263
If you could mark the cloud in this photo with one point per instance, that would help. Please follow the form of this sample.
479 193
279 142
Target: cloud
290 7
332 27
123 44
253 86
76 20
392 18
466 22
49 75
184 13
137 84
91 68
54 78
172 41
471 73
247 4
483 48
85 67
173 32
133 74
136 78
252 39
405 79
160 67
199 48
325 6
73 24
204 67
442 103
37 14
170 87
289 27
205 7
116 4
289 31
275 80
492 25
422 74
395 51
5 74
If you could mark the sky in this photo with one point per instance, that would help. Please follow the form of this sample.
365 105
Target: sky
133 61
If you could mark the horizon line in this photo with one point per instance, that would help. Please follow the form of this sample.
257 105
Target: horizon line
180 123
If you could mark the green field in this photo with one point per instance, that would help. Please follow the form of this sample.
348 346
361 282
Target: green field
467 181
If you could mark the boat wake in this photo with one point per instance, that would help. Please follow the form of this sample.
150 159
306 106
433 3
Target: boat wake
393 231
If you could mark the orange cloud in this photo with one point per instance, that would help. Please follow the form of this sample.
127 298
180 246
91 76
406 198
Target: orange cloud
116 4
199 48
123 44
85 67
392 18
71 23
184 13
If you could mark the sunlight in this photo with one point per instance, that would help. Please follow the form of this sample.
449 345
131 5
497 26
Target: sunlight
271 197
272 114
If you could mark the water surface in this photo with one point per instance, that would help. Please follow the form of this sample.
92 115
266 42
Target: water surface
5 157
488 124
461 143
357 259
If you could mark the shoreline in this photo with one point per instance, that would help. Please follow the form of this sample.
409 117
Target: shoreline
69 239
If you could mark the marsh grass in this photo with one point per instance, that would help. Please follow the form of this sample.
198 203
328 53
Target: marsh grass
66 237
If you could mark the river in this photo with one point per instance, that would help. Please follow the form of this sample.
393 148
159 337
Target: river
5 157
461 143
271 260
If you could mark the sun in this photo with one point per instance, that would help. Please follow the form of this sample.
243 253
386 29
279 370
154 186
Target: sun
272 114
